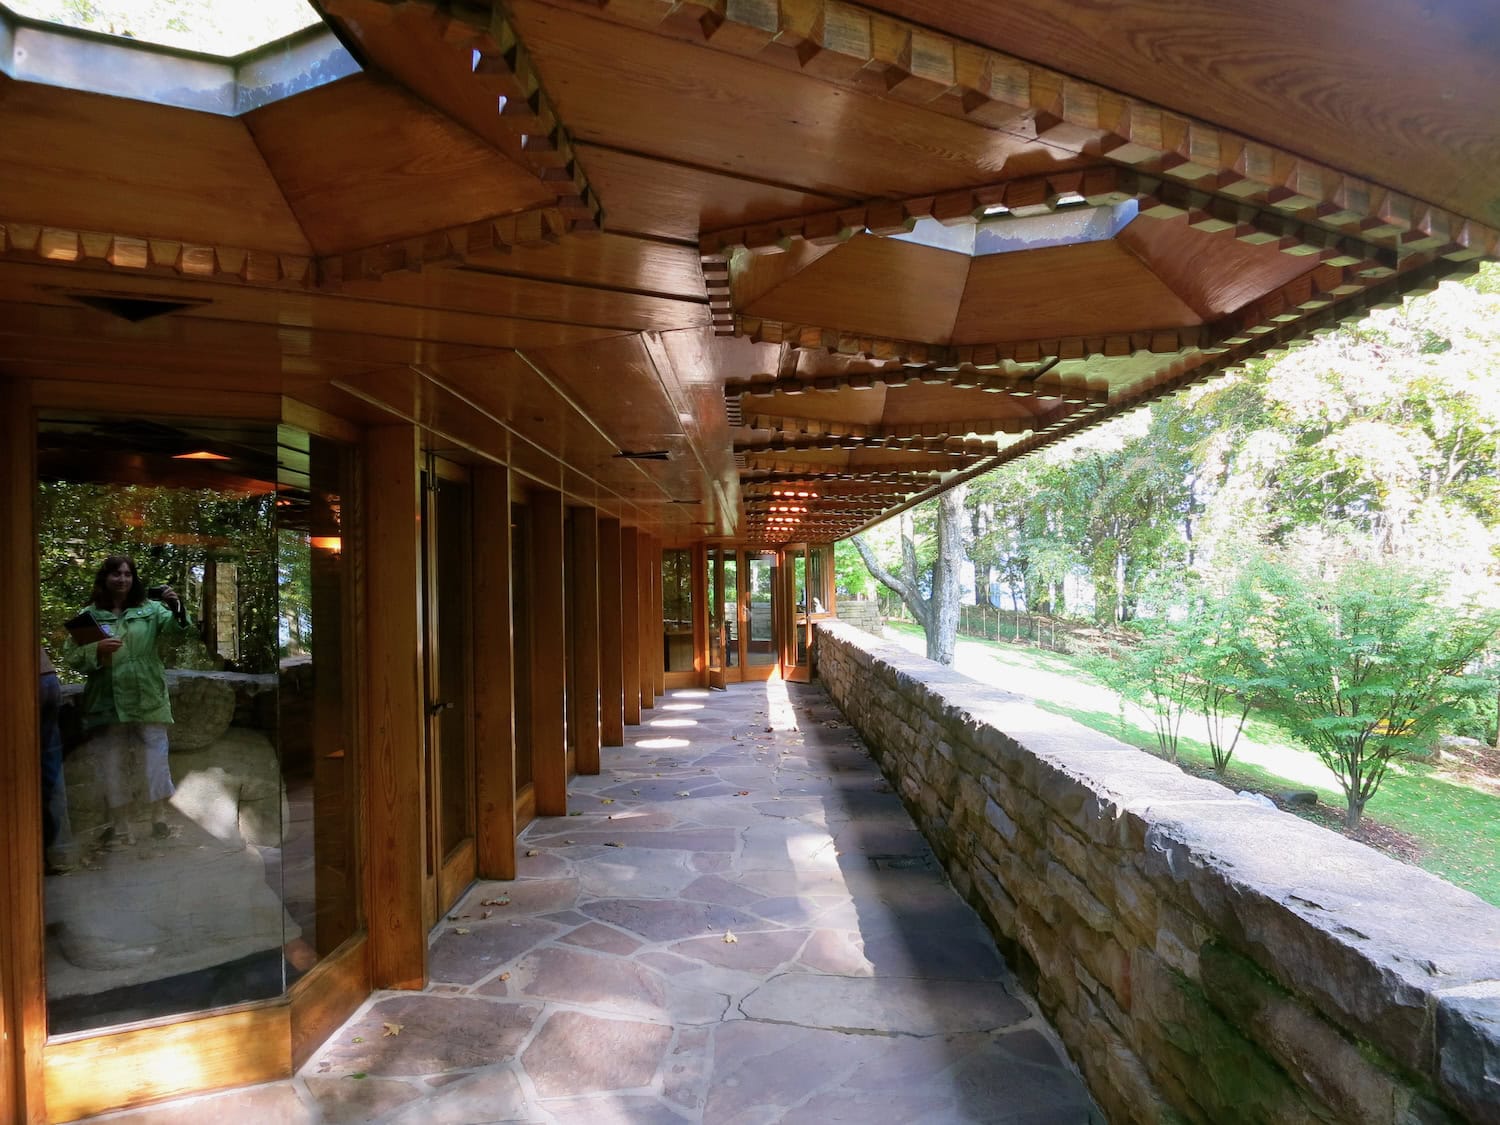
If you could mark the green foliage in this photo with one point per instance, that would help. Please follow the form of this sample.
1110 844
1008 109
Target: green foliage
1368 665
171 533
1156 674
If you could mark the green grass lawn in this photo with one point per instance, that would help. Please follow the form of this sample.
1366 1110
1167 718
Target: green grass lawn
1455 828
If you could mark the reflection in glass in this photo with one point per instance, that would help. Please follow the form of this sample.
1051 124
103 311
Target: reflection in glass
799 624
677 608
760 584
731 610
187 871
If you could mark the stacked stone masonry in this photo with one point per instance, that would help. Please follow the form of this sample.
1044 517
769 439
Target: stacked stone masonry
1205 959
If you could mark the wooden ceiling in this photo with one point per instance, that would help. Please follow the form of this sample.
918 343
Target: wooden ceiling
566 233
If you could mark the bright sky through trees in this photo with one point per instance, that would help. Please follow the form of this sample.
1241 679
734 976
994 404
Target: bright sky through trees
214 27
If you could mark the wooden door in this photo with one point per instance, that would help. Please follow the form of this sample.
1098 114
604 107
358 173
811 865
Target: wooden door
795 616
447 635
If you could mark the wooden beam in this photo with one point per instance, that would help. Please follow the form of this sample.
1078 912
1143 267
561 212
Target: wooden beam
548 655
395 724
494 701
611 635
23 999
583 619
939 445
993 368
139 253
538 226
630 639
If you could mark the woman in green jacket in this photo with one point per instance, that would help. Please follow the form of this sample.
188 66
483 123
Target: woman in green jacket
125 704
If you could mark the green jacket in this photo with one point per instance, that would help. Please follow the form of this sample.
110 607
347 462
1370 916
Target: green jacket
132 688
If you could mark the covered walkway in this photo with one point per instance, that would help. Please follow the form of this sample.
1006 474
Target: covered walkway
737 923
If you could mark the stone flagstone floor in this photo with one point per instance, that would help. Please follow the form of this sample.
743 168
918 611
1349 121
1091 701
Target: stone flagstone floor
737 924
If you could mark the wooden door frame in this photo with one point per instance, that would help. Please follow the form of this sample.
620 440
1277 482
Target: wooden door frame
453 871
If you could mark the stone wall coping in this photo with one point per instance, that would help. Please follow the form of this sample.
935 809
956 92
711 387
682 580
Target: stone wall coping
1409 950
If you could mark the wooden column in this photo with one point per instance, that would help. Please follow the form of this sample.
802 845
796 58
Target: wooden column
630 609
549 656
494 704
583 618
23 999
395 793
659 649
611 633
650 631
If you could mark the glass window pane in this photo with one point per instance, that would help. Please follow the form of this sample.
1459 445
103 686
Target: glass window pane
677 608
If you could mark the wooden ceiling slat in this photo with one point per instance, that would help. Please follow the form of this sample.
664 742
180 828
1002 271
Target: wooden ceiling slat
1350 85
363 162
91 162
710 109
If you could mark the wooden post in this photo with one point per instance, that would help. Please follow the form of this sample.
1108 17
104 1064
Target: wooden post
650 627
395 793
23 999
611 632
549 656
630 606
494 703
583 617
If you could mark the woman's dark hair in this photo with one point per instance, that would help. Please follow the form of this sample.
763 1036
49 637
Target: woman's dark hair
102 598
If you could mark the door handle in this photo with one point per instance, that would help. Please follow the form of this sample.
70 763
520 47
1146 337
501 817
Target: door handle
438 705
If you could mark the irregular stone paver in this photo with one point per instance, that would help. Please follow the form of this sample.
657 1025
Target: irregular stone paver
859 988
436 1033
579 1053
887 1004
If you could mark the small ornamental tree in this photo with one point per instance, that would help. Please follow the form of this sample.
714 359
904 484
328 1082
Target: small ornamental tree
1156 675
1367 666
1227 665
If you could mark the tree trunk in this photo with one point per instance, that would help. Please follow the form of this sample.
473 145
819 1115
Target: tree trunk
938 614
1353 814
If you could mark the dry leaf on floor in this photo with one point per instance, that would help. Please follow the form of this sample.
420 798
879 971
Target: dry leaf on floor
503 900
729 938
606 800
531 852
613 844
743 793
505 976
462 931
684 793
358 1039
576 812
567 841
391 1029
485 915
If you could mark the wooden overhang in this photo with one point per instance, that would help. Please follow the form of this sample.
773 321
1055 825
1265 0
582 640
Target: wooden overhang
714 266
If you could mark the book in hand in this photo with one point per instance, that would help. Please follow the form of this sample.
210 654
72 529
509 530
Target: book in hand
86 629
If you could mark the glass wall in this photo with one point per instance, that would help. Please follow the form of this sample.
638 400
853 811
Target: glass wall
677 608
197 734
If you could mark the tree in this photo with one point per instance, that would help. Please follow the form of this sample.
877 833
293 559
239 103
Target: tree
937 610
1367 665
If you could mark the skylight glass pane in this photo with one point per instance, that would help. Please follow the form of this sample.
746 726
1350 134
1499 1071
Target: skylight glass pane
226 28
1002 233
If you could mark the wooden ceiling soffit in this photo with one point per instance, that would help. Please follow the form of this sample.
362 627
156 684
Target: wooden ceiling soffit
499 96
885 57
853 435
963 369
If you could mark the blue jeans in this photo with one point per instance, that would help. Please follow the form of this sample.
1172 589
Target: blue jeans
49 701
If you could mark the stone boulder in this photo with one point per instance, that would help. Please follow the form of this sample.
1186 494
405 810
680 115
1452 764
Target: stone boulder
202 709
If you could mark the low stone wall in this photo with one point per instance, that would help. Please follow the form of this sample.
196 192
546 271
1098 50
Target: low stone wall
1205 959
862 613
